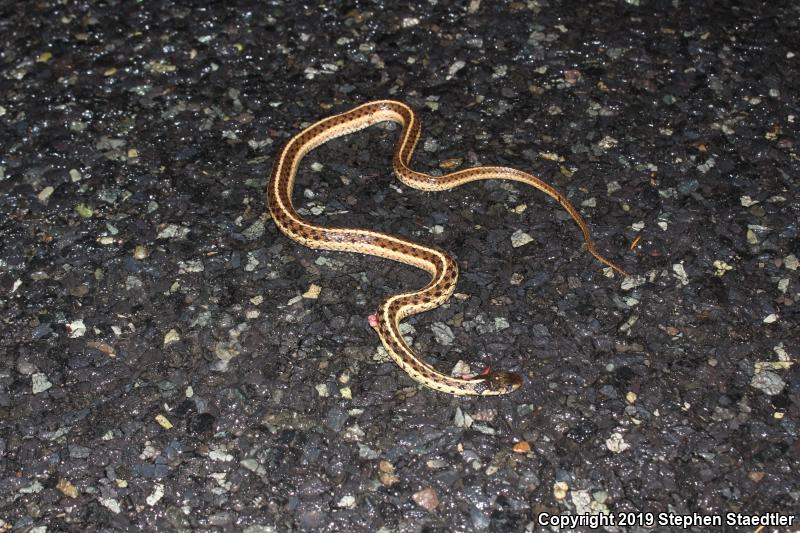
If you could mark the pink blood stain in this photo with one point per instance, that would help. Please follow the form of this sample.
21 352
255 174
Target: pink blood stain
373 321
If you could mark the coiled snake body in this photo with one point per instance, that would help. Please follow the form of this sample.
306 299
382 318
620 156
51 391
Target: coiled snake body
442 267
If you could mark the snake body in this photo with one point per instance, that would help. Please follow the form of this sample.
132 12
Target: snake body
442 268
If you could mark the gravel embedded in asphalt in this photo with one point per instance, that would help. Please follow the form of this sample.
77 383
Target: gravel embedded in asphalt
170 361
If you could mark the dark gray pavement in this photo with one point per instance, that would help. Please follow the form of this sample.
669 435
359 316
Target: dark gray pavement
160 368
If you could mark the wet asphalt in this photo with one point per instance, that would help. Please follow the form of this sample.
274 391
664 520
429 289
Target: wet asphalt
169 361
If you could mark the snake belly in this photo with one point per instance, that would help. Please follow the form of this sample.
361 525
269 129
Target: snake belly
440 265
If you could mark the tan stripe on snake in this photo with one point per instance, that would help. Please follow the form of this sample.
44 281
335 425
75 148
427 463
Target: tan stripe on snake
442 267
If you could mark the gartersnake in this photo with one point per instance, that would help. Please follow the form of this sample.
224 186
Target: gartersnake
442 267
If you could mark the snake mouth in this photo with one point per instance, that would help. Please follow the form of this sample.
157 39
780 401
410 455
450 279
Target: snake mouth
501 382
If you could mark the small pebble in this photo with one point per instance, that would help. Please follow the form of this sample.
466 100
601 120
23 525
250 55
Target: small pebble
560 490
171 336
721 267
39 383
768 382
66 488
616 443
140 252
347 502
76 329
163 421
427 498
313 292
520 238
45 194
111 504
155 496
443 334
522 447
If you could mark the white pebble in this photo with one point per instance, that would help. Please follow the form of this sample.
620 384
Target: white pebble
616 443
40 383
76 329
520 238
680 273
156 495
347 502
769 319
767 382
111 504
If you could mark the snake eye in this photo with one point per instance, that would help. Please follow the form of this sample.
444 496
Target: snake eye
502 382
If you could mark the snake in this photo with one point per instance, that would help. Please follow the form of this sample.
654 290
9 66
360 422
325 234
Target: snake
439 264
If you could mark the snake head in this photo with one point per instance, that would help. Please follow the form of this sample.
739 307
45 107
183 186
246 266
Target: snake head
500 382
